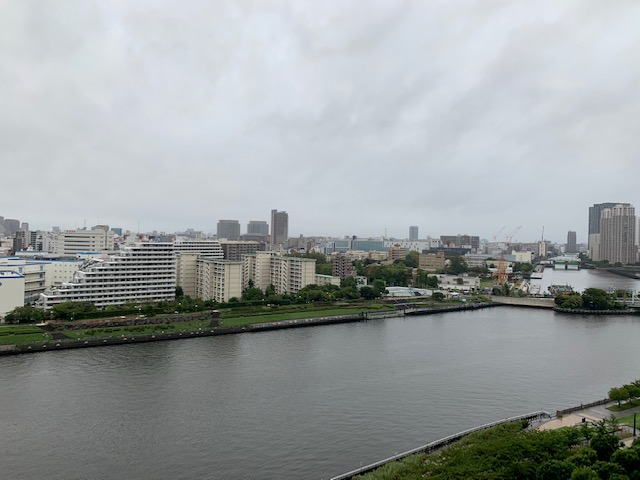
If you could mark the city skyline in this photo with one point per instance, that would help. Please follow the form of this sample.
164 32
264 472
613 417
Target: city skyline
455 117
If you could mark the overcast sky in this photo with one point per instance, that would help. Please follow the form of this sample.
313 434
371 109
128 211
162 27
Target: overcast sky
355 117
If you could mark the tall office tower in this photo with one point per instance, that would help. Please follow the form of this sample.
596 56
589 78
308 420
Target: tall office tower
11 226
618 234
258 227
593 241
572 245
228 229
413 233
279 227
24 227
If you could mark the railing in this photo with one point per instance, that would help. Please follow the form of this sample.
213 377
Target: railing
443 442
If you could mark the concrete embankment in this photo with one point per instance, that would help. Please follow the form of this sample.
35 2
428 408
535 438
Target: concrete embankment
63 344
533 302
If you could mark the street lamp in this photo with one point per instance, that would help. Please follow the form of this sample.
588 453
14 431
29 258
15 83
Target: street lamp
634 423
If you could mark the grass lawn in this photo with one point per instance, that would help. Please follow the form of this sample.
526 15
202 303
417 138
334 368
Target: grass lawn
138 330
14 334
277 317
628 420
624 406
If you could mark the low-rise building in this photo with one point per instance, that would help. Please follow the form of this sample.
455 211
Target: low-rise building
431 262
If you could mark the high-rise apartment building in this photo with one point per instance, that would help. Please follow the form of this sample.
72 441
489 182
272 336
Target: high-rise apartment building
258 227
228 230
413 233
593 241
572 245
279 227
618 234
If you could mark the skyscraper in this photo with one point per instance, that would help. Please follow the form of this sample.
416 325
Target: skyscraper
593 241
618 234
413 233
258 227
571 242
279 227
228 229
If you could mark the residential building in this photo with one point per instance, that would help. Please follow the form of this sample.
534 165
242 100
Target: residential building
618 234
286 274
572 245
396 252
140 272
258 227
279 227
327 280
206 248
228 230
186 272
218 280
432 261
413 233
342 266
234 250
11 291
595 213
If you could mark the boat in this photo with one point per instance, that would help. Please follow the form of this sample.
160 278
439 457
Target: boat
560 289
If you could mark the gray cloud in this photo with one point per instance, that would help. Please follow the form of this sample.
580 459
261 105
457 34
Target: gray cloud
459 117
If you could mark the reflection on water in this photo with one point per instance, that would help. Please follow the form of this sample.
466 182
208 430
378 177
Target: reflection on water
581 279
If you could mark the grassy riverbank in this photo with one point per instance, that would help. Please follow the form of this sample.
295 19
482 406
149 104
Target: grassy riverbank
229 318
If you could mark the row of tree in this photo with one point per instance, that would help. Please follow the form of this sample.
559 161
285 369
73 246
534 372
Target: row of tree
628 392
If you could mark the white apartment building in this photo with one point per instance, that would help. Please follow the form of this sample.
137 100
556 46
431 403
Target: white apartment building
11 291
286 274
186 272
291 274
218 280
141 272
71 242
206 248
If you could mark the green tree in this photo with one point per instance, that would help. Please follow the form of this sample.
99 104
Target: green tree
619 394
596 299
584 473
412 259
554 470
26 314
179 292
252 294
457 265
369 293
379 287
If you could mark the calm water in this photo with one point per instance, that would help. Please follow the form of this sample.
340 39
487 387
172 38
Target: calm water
581 279
296 404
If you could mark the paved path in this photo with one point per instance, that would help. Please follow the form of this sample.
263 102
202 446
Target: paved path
591 414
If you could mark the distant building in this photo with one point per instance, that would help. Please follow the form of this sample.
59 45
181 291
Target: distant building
618 234
413 233
431 262
11 226
342 266
595 213
234 250
286 274
572 245
396 252
279 227
228 230
258 227
71 242
460 241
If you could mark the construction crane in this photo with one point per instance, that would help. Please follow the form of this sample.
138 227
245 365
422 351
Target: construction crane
502 263
496 234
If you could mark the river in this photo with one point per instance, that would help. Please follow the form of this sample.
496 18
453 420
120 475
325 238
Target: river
307 403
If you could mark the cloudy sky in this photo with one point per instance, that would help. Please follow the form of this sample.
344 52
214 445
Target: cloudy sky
355 117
